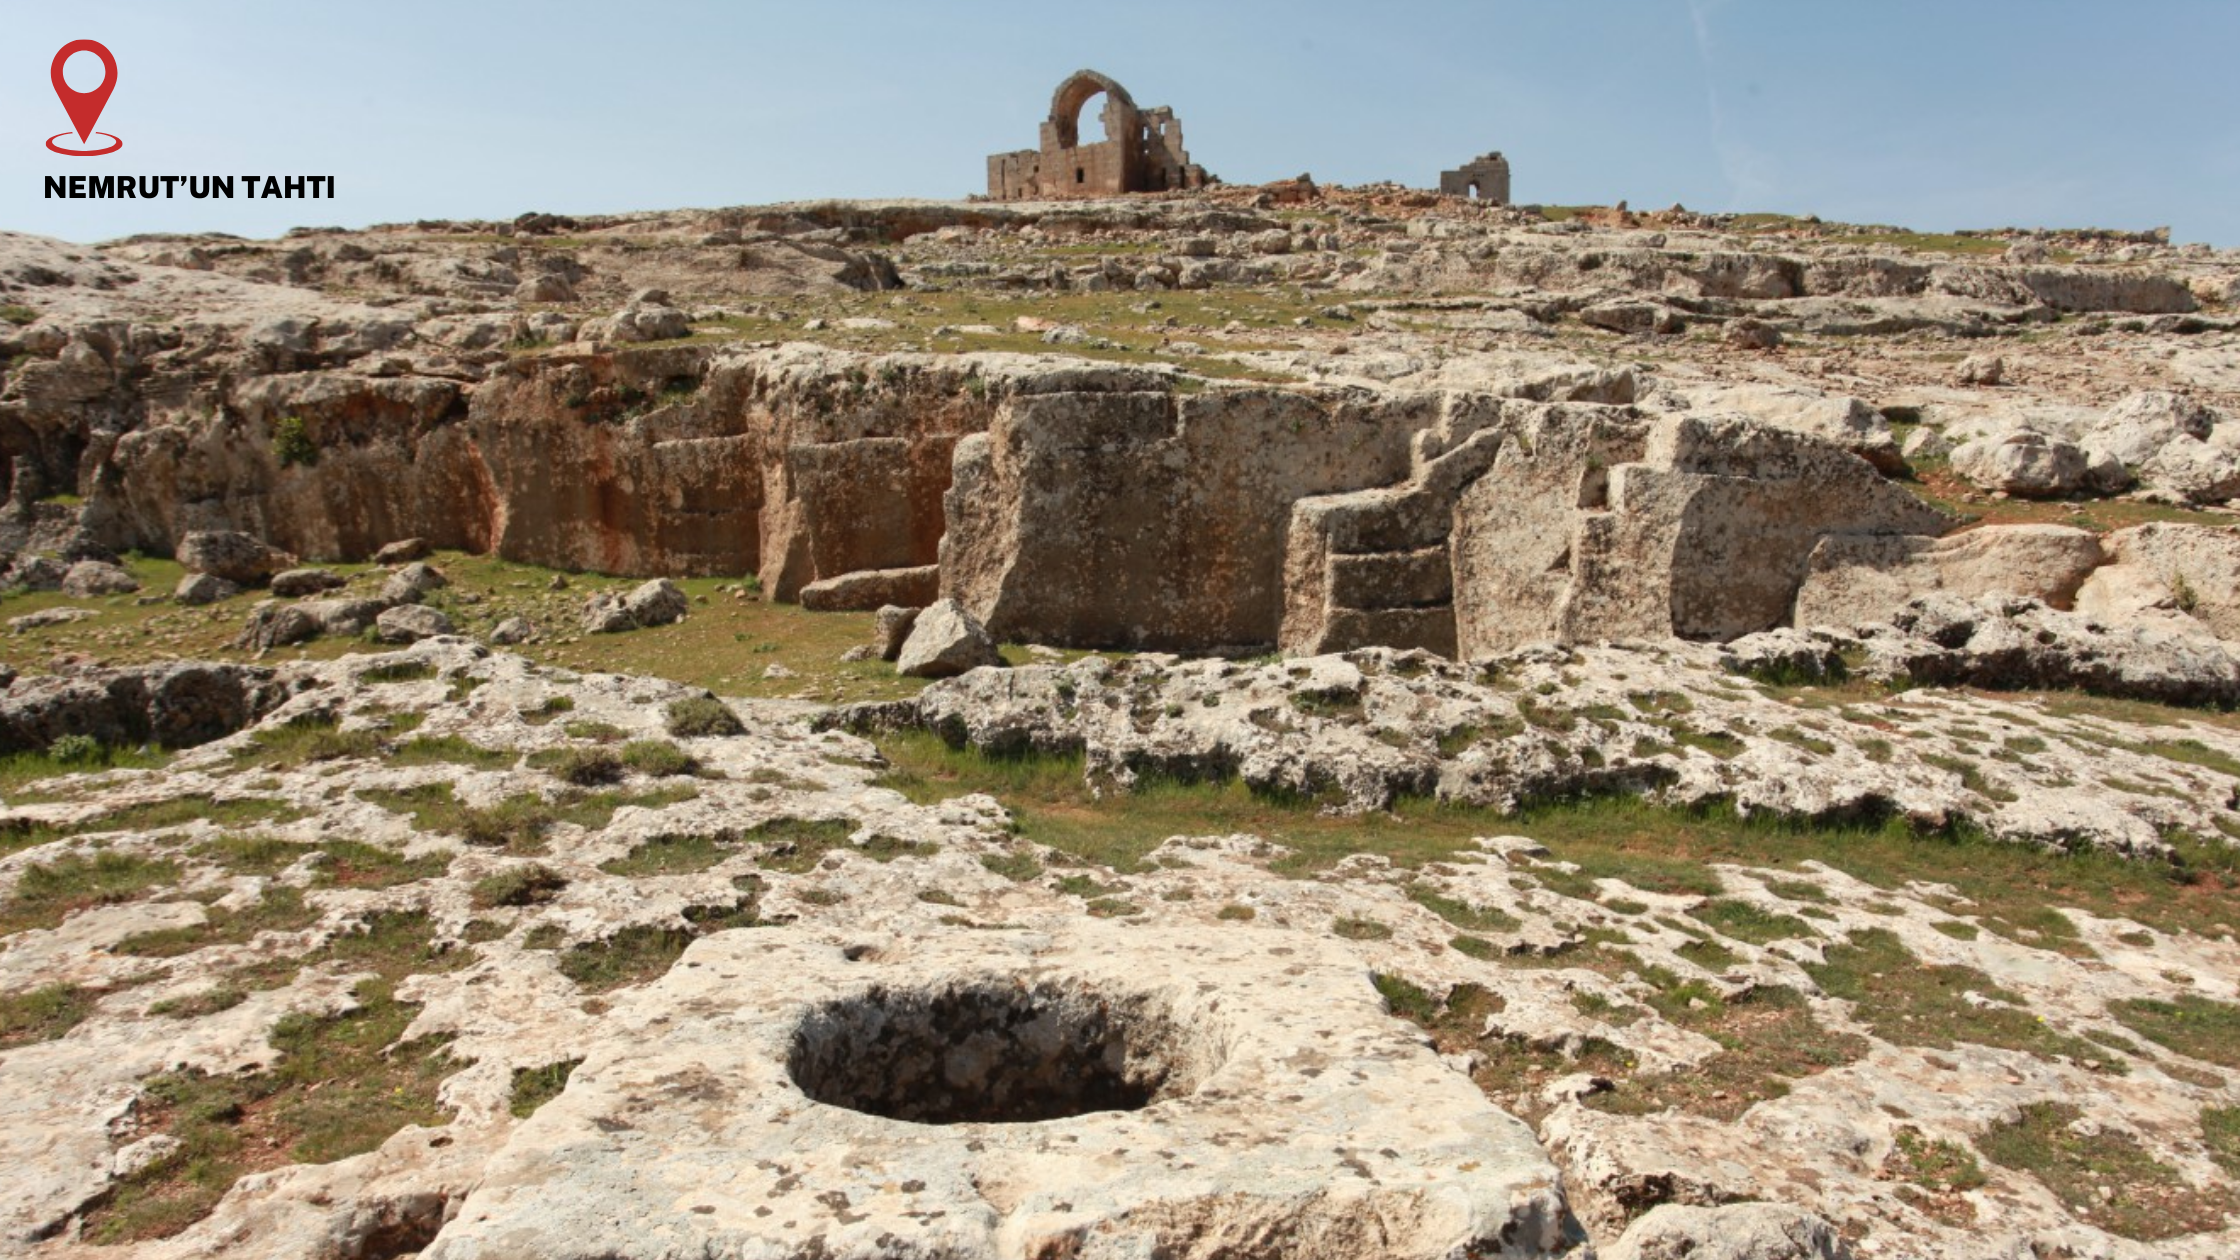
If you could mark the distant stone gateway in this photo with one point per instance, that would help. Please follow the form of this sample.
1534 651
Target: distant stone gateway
1141 152
1485 177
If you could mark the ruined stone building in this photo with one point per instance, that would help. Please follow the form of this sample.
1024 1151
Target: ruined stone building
1485 177
1141 152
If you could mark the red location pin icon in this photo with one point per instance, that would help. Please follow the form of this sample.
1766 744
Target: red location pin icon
84 108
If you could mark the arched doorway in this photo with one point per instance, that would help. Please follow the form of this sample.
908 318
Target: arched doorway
1069 104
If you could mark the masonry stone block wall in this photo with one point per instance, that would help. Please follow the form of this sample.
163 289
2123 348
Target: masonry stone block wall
1485 177
1142 150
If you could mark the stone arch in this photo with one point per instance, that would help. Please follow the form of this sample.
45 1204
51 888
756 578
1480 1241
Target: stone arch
1076 91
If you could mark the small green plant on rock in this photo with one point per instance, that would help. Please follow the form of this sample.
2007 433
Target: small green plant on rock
292 444
702 716
535 1086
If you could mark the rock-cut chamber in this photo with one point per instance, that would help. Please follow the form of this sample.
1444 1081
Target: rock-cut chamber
997 1052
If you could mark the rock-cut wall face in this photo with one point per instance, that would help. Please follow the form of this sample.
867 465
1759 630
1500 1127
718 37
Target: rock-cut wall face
364 461
1148 519
621 463
1692 526
856 454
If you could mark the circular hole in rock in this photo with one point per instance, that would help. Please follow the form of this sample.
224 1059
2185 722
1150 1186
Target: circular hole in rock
996 1052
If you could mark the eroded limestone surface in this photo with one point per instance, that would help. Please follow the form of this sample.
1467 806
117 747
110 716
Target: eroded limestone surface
707 935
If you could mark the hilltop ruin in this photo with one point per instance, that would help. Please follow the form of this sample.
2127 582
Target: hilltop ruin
1141 152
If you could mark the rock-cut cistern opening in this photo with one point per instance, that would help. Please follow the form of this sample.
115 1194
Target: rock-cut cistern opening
996 1051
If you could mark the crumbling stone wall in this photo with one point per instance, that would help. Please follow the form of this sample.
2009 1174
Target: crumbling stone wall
1485 177
1142 150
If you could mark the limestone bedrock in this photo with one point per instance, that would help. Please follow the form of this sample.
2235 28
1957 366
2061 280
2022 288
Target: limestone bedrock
1297 1119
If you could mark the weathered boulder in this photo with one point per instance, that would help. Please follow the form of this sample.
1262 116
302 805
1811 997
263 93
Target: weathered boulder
647 317
403 551
274 624
2020 644
1734 1231
298 583
2195 471
174 704
1627 315
50 617
2172 443
890 629
231 555
1836 419
656 603
1981 369
873 588
95 577
946 641
512 630
196 589
36 573
2182 578
344 616
604 614
1853 579
1752 334
2022 462
410 623
2136 428
413 582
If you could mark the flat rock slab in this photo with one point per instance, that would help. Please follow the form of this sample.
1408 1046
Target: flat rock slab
1301 1119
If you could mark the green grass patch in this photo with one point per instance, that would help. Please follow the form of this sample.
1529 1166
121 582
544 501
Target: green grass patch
309 739
2105 1177
1935 1165
209 1001
2220 1133
517 824
397 671
48 892
1462 914
342 1086
43 1014
702 717
449 750
659 758
676 853
281 909
1746 922
1651 847
2196 1027
19 770
527 885
795 845
1910 1003
637 955
533 1087
17 834
1019 867
580 766
254 854
1767 1039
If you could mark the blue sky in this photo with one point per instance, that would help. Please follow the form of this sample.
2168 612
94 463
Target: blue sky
1957 113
